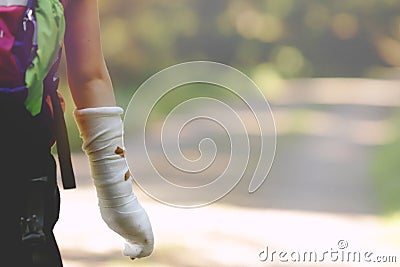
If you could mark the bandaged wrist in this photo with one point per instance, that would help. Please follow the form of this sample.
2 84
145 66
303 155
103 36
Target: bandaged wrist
102 131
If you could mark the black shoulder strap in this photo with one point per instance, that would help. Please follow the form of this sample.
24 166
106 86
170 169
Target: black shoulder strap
62 143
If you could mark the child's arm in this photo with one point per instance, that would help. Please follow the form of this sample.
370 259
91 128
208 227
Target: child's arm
100 125
88 76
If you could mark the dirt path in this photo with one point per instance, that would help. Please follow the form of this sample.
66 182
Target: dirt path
318 193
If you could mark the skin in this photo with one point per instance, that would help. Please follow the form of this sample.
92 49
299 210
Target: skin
88 77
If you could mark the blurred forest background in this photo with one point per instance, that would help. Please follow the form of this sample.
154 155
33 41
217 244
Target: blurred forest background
268 40
285 38
330 70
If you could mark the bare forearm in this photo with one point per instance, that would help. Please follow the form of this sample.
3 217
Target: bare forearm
88 76
92 93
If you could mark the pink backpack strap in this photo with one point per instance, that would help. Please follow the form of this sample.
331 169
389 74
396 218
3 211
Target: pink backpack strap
10 17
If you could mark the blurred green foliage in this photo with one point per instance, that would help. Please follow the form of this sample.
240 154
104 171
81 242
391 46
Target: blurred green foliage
269 40
287 38
385 169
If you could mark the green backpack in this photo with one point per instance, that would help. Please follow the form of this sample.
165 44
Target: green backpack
31 36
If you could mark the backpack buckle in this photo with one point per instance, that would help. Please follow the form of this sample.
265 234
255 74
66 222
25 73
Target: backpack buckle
29 24
32 221
32 233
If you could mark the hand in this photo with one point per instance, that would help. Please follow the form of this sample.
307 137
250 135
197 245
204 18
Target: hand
132 225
